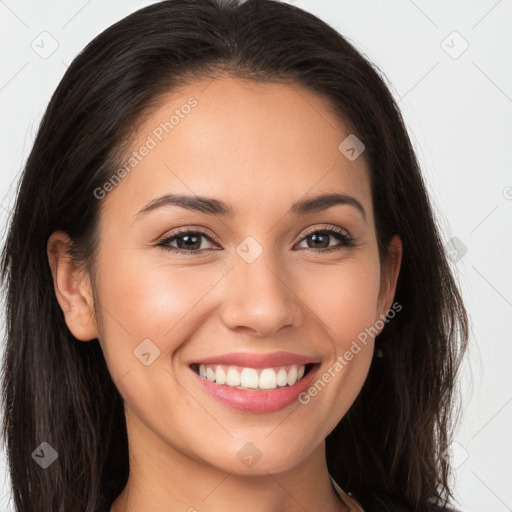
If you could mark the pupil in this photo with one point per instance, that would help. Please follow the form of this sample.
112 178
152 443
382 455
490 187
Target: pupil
194 245
316 236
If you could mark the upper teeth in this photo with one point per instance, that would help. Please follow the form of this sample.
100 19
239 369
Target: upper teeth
243 378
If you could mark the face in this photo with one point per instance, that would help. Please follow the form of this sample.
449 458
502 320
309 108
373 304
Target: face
247 274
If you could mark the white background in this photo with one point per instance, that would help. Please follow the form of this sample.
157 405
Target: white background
458 112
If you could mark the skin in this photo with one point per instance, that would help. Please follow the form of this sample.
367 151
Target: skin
259 147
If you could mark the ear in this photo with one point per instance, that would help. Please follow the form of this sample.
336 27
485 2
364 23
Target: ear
72 288
389 275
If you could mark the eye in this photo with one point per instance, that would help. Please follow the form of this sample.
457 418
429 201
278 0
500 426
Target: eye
190 241
187 241
321 237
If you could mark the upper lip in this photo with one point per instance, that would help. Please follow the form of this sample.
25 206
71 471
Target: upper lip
254 360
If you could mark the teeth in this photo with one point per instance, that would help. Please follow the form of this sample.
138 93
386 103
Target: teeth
210 374
251 378
292 376
234 378
220 376
282 377
268 379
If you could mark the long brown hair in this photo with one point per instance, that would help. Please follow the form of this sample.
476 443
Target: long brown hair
389 450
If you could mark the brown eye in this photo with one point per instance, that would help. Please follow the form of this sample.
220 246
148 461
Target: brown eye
191 242
186 241
320 239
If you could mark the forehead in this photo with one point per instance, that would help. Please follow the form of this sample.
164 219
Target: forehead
250 144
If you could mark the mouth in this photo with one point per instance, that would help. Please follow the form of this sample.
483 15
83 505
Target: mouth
254 390
253 379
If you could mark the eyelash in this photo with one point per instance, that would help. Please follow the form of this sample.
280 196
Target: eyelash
338 233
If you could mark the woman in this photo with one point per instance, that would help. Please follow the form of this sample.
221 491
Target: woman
225 286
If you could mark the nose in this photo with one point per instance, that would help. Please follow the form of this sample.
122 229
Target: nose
260 298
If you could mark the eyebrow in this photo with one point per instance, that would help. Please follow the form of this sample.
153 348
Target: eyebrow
215 207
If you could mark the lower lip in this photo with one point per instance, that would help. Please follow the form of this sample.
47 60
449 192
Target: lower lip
258 401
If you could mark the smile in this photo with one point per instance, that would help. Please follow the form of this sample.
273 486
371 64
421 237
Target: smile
246 378
255 382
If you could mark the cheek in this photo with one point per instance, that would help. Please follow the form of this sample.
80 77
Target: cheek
147 298
343 297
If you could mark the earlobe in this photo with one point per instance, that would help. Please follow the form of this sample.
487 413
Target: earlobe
72 288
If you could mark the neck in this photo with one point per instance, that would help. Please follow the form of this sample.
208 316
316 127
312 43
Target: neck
165 479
